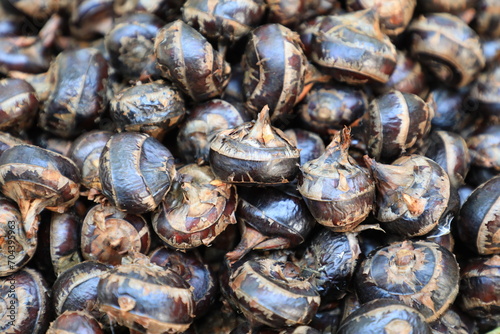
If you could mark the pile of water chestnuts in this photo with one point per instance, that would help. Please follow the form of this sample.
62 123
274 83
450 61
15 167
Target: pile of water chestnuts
250 166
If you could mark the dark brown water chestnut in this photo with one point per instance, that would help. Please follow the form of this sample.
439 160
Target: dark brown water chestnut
24 54
450 106
153 108
453 322
385 316
484 147
332 106
130 44
202 123
35 179
145 297
190 266
224 20
480 278
78 95
420 274
484 94
447 47
187 59
75 322
394 14
333 49
408 77
25 300
275 219
254 153
76 289
196 210
65 241
413 195
16 248
18 105
85 151
275 69
310 144
136 171
395 123
487 21
90 19
7 141
338 192
449 150
108 234
479 223
332 257
272 291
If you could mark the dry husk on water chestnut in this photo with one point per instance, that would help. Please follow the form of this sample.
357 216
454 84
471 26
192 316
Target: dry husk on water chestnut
272 291
254 153
421 274
413 195
147 298
136 171
198 207
108 234
36 179
338 192
15 248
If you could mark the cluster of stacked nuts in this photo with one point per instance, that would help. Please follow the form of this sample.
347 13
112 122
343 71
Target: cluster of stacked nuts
249 166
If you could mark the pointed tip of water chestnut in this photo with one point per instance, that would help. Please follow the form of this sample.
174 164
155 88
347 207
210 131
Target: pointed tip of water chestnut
390 177
369 162
262 129
341 141
263 116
